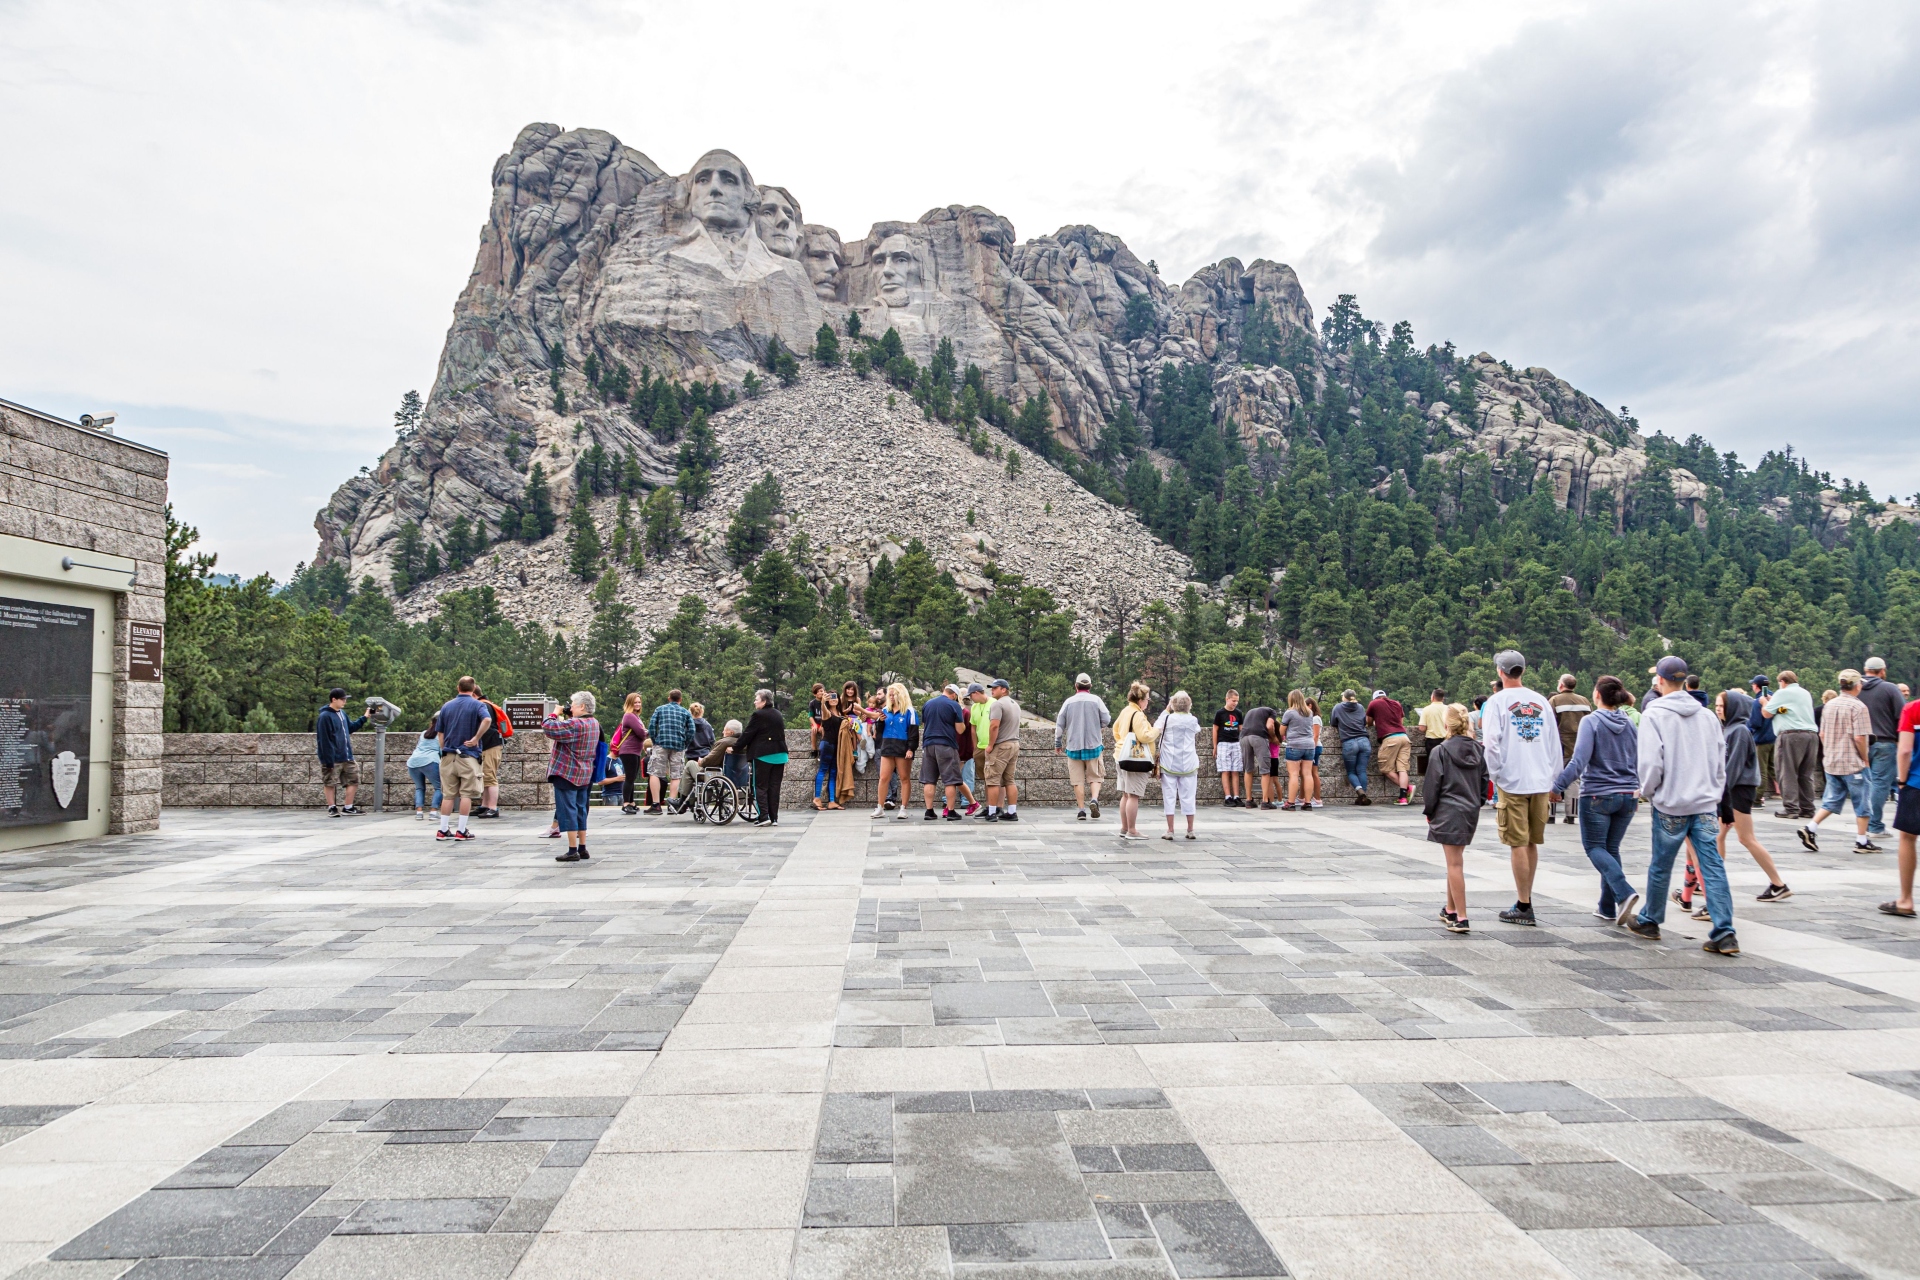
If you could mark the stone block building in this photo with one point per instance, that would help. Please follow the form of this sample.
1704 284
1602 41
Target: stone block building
82 614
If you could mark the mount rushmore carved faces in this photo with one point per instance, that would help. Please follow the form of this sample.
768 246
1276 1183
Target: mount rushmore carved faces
901 275
721 194
777 219
823 260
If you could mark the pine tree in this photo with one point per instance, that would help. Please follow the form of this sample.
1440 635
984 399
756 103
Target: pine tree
407 417
752 385
663 521
666 417
583 542
826 347
853 324
408 559
751 531
612 639
537 504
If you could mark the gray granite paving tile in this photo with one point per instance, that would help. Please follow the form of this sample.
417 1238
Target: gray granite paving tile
226 1166
1127 1099
543 1128
266 1267
1552 1196
429 1114
1810 1187
1123 1221
1164 1157
1030 1100
1011 1166
1028 1242
407 1217
1556 1097
960 1001
1168 1187
925 1103
232 1222
849 1202
1092 1159
1463 1144
1731 1243
856 1128
1720 1207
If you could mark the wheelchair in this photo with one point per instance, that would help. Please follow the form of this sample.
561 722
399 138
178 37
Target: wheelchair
718 800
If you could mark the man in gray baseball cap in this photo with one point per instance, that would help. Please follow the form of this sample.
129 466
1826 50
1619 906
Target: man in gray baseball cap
1080 730
1003 750
1522 746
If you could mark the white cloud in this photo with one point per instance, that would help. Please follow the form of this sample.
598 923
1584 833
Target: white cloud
266 211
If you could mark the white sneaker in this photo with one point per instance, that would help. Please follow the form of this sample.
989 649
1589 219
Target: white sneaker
900 816
876 812
1628 910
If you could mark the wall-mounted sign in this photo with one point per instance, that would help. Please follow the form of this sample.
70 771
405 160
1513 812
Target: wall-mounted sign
526 710
46 711
145 644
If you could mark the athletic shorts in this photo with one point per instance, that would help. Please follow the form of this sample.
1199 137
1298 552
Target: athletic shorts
1737 800
460 776
344 774
1906 811
939 764
1396 753
893 748
490 766
1523 819
1253 752
1226 757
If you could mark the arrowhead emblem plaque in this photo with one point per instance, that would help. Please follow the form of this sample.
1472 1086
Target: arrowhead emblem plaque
66 777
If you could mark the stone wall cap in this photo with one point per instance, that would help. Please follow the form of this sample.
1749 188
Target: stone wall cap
99 435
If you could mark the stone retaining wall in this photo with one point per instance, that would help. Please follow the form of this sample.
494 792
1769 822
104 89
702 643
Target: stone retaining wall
275 770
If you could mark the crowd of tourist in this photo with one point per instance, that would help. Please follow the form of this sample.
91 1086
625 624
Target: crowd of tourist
1701 764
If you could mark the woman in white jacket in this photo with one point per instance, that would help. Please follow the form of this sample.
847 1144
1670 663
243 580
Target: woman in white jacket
1177 730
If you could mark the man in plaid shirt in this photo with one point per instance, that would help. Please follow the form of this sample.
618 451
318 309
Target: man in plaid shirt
671 729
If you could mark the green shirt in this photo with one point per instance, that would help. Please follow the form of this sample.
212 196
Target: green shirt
1793 708
977 714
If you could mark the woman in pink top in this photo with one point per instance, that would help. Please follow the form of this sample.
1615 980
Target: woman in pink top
630 744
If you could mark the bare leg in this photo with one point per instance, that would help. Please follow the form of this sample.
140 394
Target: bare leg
351 789
1525 858
1456 879
328 792
1905 900
1743 825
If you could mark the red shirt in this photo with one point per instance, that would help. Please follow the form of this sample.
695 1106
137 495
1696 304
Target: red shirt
1388 716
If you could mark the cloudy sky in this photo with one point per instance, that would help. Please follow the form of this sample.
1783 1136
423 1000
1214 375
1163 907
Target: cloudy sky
241 227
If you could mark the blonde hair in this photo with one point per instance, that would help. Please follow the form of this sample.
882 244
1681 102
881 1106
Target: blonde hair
1297 700
632 703
1180 702
898 699
1457 722
697 710
1138 692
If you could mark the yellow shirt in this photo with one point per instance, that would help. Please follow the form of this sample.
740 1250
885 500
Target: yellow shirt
1433 718
977 716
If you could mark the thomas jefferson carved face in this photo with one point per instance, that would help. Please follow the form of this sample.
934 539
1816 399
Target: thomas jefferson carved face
721 192
823 260
900 272
777 217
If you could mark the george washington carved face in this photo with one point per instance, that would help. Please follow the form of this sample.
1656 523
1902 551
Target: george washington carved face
900 271
777 218
721 194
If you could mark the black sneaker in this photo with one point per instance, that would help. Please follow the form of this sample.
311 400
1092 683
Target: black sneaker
1809 838
486 813
1644 929
652 811
951 815
1093 807
443 835
1268 804
1775 893
1518 914
569 856
1010 816
463 835
932 816
1363 798
584 855
354 811
1080 816
333 811
993 817
1457 924
1727 946
1865 846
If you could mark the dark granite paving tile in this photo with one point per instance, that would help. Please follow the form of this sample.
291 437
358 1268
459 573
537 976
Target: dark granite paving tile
1555 1196
1097 1160
226 1166
1030 1100
1463 1144
1123 1221
1721 1208
849 1202
1127 1099
1745 1242
1164 1157
855 1128
1206 1238
468 1114
925 1103
235 1222
1907 1082
1683 1108
1556 1097
265 1267
1011 1166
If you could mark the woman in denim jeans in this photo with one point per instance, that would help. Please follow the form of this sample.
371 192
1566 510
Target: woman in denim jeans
1605 760
576 740
423 766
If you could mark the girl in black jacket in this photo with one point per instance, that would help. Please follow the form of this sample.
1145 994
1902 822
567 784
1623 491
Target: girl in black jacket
1454 787
764 742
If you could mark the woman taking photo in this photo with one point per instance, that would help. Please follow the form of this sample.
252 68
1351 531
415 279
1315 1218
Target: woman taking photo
1296 725
1606 755
1176 731
1133 754
826 770
899 738
764 743
629 743
1455 784
576 742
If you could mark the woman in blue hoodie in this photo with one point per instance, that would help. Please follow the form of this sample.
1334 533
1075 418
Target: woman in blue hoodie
1736 801
1606 760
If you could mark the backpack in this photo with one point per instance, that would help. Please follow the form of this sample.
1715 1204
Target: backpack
502 722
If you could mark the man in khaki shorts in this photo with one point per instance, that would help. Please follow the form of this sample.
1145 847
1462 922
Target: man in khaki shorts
1003 749
1521 739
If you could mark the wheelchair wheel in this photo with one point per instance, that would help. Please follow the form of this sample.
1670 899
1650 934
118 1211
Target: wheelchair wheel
720 800
748 803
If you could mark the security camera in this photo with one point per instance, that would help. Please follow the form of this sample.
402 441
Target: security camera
92 423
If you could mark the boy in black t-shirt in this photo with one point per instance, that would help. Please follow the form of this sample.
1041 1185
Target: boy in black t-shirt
1226 749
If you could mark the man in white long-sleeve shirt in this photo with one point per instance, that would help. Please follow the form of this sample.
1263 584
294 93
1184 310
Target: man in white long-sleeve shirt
1521 740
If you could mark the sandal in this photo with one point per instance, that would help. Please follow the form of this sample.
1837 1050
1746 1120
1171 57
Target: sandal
1895 909
836 806
1191 836
819 807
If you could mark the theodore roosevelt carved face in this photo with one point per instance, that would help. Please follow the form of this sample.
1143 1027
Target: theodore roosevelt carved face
900 271
823 261
777 218
721 194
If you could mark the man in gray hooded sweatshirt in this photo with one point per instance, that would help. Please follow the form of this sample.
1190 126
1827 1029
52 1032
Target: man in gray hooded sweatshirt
1683 771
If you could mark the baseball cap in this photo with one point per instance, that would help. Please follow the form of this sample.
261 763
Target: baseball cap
976 687
1510 662
1671 667
952 688
1760 680
999 684
1083 681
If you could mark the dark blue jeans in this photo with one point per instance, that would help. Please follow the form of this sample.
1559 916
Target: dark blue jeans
1603 825
1355 753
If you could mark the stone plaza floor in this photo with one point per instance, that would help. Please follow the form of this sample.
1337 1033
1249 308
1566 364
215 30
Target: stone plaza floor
264 1043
